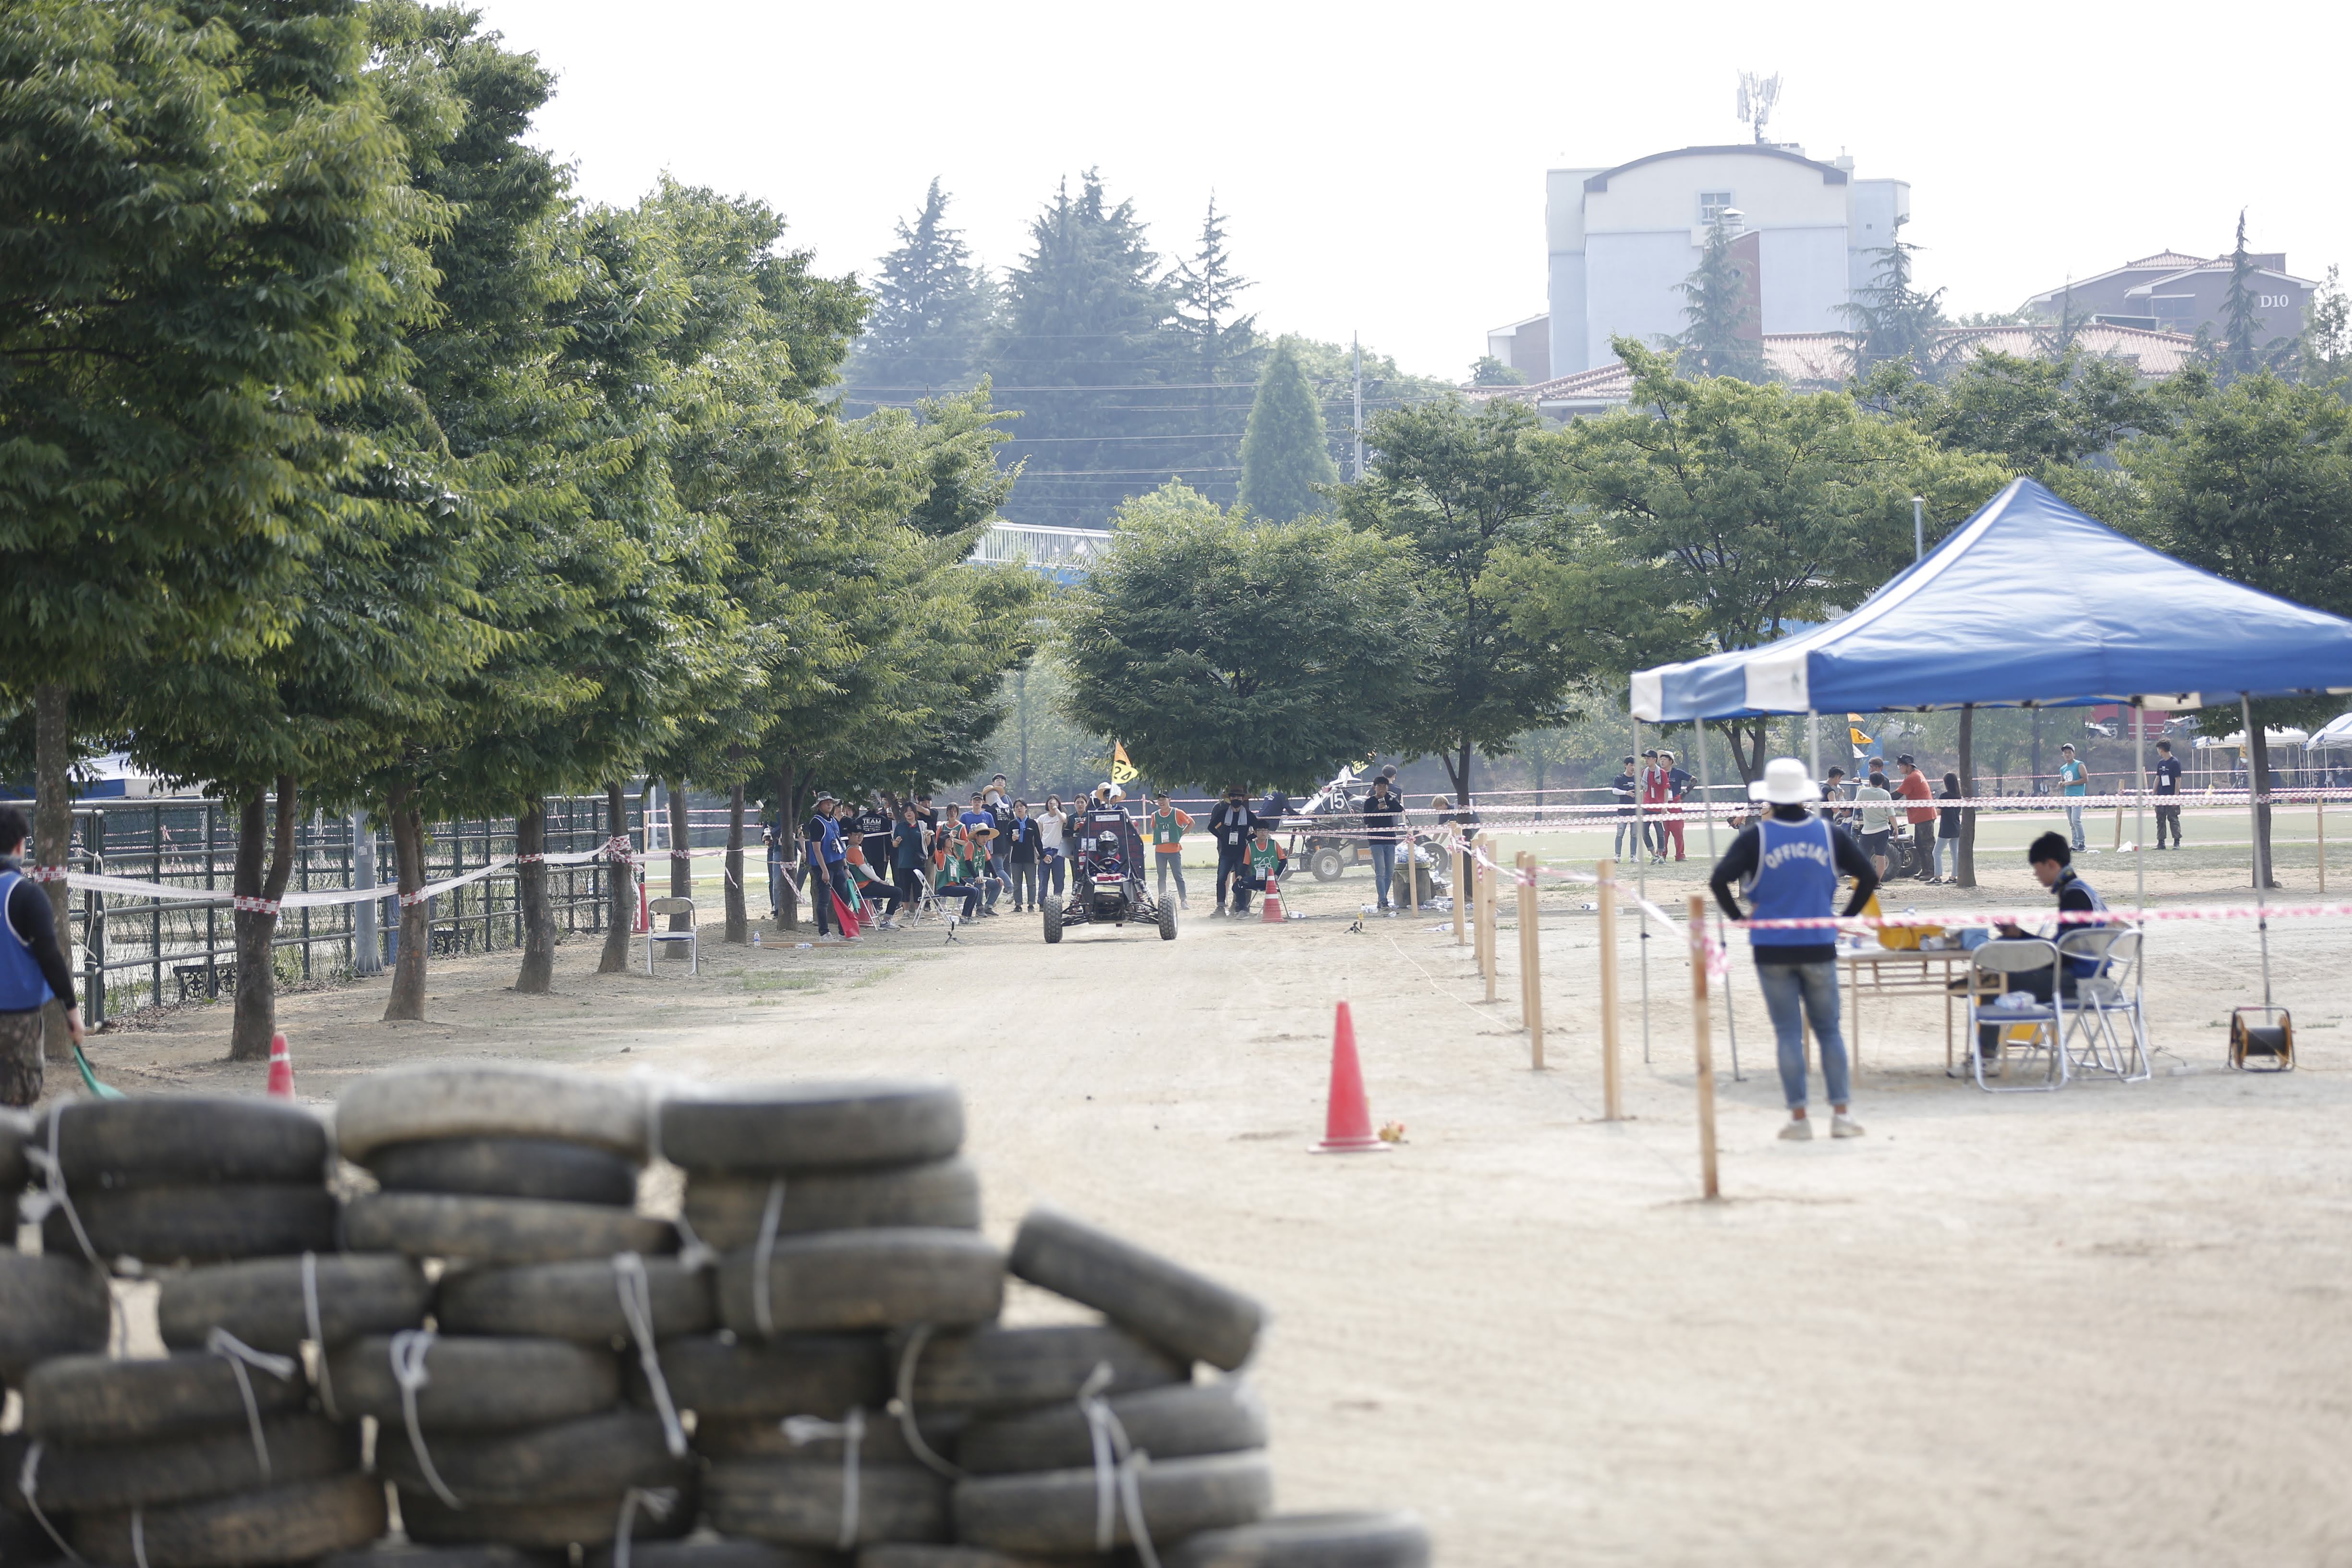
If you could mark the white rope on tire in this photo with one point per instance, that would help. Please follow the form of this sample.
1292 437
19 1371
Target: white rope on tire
635 1291
28 1480
902 1405
656 1500
409 1349
240 1355
1118 1465
762 1312
138 1536
318 1333
851 1430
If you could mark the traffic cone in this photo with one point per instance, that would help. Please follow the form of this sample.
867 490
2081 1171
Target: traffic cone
282 1069
1270 906
1347 1123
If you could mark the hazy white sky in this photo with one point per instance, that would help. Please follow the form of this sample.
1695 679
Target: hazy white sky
1383 165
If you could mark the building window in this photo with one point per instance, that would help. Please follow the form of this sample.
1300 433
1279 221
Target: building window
2174 307
1711 205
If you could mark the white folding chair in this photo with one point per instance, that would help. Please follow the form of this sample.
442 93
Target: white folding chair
2007 957
2100 999
654 910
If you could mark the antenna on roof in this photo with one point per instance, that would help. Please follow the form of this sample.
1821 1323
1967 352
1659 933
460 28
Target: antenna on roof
1758 94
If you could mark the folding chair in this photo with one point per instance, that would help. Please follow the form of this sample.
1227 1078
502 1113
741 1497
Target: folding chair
2101 998
654 910
2045 1021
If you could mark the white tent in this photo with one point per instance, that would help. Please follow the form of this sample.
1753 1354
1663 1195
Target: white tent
2236 739
2335 733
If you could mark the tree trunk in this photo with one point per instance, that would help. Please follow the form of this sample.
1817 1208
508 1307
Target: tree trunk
53 839
254 1019
1457 772
620 885
2258 779
408 1003
788 896
1964 854
681 867
537 976
738 920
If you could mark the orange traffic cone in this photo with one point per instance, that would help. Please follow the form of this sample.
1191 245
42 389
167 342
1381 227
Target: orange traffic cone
1270 906
282 1069
1347 1123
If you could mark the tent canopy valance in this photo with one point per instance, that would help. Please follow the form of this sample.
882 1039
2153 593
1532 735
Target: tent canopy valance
2030 602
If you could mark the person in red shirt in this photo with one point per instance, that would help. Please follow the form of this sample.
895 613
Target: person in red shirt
1921 815
1654 791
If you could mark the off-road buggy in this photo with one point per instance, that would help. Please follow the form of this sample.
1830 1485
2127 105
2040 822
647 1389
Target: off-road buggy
1106 879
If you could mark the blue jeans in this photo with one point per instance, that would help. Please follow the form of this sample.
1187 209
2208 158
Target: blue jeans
1947 849
2074 821
1051 869
1814 987
1384 868
1173 864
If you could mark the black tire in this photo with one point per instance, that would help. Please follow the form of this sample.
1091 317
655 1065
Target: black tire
16 1130
410 1104
796 1503
543 1527
763 1437
1161 1300
480 1554
797 1375
815 1126
498 1230
77 1477
1003 1369
283 1524
1053 914
1328 865
599 1456
866 1279
507 1168
49 1306
203 1223
571 1301
90 1399
1310 1541
477 1382
1166 922
261 1300
1054 1510
726 1211
1175 1422
720 1553
895 1554
108 1144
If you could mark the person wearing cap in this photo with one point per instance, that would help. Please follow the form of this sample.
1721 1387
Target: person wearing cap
1921 817
1383 829
830 873
1231 823
2074 782
1789 862
811 870
1622 788
980 824
2167 772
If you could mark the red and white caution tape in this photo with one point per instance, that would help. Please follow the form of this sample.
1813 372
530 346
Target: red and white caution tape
51 873
254 906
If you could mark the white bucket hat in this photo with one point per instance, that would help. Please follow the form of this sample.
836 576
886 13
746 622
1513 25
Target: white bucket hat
1785 782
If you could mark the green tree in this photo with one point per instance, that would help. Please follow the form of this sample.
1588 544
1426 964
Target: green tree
1224 344
1285 451
2057 418
1891 320
1462 488
932 309
2325 355
1488 370
1724 337
1231 655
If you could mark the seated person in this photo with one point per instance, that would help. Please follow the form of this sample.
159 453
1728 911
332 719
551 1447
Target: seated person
1268 861
875 892
962 870
2052 862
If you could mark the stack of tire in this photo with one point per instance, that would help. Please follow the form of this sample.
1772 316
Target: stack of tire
217 1452
504 1430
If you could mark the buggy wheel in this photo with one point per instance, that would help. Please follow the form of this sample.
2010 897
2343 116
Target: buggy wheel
1326 865
1052 912
1166 922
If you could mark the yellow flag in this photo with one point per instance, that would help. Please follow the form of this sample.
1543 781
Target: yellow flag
1122 770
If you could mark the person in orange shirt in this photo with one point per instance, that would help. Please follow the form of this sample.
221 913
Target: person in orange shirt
1168 826
1921 817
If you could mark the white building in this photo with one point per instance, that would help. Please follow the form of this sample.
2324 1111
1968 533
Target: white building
1622 240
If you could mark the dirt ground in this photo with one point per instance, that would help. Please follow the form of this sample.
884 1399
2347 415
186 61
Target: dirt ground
2103 1325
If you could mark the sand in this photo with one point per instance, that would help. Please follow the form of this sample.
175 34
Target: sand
2103 1325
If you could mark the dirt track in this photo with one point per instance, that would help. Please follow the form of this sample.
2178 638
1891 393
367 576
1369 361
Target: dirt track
2102 1325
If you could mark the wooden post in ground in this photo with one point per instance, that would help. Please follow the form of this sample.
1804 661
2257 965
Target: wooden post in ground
1487 929
1411 876
2119 828
1530 967
1613 1105
1461 891
1700 1038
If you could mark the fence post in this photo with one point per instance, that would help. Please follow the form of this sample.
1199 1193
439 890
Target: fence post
93 928
212 911
1486 927
1530 965
1612 1106
1461 889
1701 1038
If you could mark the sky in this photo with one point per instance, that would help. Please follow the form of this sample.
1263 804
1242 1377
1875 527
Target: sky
1382 166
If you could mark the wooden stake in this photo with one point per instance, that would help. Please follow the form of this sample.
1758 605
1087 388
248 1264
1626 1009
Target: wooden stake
2119 828
1411 876
1613 1105
1700 1038
1461 891
1530 967
1486 926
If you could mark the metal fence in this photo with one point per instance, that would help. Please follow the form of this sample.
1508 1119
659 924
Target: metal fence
135 951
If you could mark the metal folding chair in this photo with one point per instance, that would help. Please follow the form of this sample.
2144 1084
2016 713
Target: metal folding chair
654 910
2100 999
2008 957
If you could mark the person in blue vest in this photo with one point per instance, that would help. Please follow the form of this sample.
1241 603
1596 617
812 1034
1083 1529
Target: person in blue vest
1791 862
32 969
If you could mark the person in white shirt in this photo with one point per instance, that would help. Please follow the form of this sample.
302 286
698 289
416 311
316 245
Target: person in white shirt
1874 804
1052 856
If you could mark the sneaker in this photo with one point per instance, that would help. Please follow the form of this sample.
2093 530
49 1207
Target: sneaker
1797 1131
1845 1127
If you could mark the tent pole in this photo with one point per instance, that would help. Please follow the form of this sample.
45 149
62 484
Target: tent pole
1813 741
1706 801
2262 861
1642 885
2139 816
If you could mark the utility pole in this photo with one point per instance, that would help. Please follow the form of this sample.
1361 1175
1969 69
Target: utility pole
1356 345
1918 528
